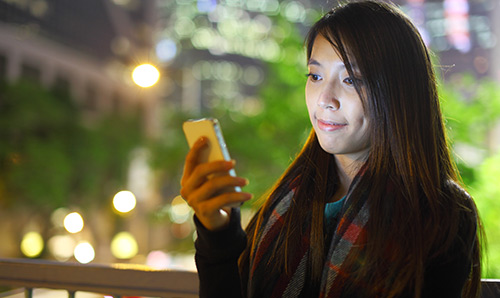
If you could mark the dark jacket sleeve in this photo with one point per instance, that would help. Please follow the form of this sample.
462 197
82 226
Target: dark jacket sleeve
446 275
216 257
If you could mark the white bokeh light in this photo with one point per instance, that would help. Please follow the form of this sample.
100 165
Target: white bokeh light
124 201
179 210
84 252
145 75
73 222
62 247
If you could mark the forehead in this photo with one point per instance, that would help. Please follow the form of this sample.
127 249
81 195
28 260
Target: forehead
325 51
322 49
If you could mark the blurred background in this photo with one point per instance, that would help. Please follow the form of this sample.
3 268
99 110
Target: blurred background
91 146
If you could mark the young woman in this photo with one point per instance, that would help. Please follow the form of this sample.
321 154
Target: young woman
371 206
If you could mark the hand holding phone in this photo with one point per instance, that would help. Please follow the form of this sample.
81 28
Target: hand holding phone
216 148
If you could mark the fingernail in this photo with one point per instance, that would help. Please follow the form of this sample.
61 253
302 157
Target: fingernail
243 181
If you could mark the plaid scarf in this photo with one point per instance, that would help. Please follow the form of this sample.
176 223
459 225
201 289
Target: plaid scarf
347 234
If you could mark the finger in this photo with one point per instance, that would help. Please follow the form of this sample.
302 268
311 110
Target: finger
217 169
193 155
202 171
213 187
210 207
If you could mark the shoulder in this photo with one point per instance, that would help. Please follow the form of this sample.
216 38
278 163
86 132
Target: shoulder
468 219
451 187
462 199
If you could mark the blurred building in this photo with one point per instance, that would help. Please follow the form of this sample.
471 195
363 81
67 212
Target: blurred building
88 48
463 33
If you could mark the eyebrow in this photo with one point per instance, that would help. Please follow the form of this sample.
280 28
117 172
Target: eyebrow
315 62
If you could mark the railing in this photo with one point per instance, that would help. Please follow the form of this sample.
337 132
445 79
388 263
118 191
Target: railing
490 288
114 280
119 280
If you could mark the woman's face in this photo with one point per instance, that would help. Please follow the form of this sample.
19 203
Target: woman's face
334 106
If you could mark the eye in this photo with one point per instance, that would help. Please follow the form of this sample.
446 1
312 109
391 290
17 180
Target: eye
313 77
350 81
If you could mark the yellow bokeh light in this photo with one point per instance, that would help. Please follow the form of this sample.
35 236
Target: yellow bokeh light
32 244
73 222
84 252
145 75
124 201
124 246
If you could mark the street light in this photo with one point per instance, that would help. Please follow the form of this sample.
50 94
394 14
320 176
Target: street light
145 75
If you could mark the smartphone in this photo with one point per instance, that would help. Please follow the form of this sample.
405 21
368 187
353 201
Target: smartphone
216 148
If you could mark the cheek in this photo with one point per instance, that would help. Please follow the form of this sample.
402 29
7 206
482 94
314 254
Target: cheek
310 112
363 124
309 100
365 130
307 93
359 118
358 112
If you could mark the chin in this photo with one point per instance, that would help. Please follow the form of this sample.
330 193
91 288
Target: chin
328 149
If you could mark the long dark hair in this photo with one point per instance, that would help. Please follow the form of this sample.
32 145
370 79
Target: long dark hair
420 218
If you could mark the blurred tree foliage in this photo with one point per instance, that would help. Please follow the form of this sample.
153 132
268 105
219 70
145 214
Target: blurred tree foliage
472 112
50 159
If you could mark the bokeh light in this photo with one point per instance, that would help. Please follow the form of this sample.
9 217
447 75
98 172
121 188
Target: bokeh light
62 247
124 201
206 5
179 210
32 244
84 252
294 11
57 217
158 259
166 50
184 27
181 230
253 76
73 222
145 75
124 246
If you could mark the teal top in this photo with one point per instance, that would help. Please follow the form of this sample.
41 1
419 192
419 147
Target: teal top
333 209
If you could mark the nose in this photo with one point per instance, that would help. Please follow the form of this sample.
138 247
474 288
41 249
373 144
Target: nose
329 101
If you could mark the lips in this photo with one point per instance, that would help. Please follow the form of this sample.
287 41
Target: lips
327 125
